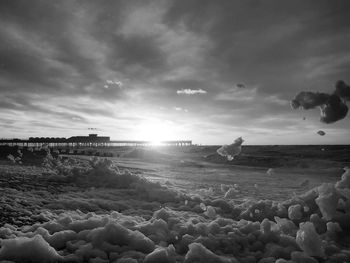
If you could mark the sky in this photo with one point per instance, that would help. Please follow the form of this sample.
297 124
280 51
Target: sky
204 70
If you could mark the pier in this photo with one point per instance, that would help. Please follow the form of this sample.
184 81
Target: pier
93 140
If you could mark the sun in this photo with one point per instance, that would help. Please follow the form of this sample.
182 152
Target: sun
155 131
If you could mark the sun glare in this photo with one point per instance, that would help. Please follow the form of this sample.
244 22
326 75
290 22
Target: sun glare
155 132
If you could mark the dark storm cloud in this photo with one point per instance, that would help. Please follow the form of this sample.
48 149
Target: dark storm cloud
136 51
42 50
25 103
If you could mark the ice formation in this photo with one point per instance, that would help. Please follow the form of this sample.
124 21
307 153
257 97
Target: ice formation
232 150
240 85
321 133
231 193
309 241
199 254
342 90
311 227
345 179
295 212
332 106
23 249
270 171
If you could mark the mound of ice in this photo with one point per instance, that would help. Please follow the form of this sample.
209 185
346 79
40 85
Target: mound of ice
295 212
164 255
24 249
309 241
199 254
232 150
327 200
116 234
211 229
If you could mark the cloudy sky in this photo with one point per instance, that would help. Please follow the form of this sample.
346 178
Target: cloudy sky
204 70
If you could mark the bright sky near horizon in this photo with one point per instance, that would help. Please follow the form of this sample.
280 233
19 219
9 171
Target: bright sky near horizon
204 70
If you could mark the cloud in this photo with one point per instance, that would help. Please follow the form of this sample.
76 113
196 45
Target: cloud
118 83
154 48
180 109
191 91
113 84
237 94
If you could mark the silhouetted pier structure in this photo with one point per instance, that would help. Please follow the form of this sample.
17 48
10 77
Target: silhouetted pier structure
93 140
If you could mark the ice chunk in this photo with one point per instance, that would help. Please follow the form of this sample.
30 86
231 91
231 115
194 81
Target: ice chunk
199 254
87 251
286 226
126 260
57 240
333 110
157 229
162 214
224 187
344 192
209 191
342 90
116 234
321 133
345 179
211 213
98 260
295 212
265 225
165 255
301 257
333 107
309 100
232 150
333 228
327 200
21 249
270 171
309 241
231 193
